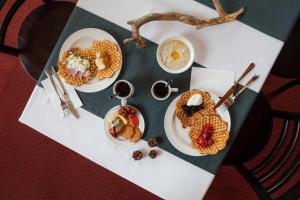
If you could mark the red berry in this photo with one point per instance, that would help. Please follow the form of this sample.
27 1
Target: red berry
112 132
201 140
207 128
134 120
207 131
210 141
206 135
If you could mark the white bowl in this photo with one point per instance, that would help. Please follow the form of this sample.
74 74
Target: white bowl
189 64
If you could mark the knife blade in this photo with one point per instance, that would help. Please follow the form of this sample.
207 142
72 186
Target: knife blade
65 95
231 89
70 106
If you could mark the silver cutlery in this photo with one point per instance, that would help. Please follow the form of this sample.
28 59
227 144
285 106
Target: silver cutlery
230 100
231 90
63 104
65 95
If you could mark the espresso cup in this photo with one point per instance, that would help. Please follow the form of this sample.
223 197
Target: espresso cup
123 89
161 91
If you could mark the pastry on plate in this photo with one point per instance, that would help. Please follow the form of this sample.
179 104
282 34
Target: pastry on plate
108 58
193 103
77 66
208 134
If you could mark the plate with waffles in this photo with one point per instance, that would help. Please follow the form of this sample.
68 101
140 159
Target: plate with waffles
193 126
124 125
90 60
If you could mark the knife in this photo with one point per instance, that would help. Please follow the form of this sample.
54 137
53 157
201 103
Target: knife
65 95
231 90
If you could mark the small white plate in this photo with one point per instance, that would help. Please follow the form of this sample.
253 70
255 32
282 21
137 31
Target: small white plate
120 140
178 136
83 39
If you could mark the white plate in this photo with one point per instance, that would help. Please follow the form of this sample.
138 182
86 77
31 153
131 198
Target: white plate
179 136
120 140
83 39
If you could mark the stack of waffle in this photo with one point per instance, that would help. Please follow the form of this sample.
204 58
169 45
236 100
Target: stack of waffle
206 115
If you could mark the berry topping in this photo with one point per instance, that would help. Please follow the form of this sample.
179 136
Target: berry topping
125 111
190 110
134 120
201 141
113 132
205 138
210 141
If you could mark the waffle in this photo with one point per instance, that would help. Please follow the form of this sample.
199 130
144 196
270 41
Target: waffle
75 80
112 57
220 134
208 107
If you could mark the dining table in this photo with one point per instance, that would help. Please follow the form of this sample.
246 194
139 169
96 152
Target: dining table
256 37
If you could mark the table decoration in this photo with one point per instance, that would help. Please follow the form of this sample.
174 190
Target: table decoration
184 18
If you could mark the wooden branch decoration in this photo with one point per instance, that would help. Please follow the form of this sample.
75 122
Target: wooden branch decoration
173 16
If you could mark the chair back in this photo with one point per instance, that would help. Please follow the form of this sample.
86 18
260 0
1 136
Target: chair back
4 26
280 165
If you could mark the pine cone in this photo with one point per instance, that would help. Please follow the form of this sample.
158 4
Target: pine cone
152 142
152 154
137 155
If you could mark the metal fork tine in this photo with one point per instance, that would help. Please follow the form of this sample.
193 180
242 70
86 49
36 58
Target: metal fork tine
225 107
63 105
221 108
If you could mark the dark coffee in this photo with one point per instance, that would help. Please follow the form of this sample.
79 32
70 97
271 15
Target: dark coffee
123 89
161 90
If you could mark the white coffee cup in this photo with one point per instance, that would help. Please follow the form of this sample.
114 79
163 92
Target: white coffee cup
170 90
123 98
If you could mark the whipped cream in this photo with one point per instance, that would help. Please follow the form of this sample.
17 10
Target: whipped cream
77 63
195 100
99 61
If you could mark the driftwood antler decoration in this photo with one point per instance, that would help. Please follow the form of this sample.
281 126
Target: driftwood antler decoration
173 16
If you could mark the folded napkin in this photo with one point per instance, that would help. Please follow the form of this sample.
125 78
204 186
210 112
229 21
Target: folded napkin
54 99
214 80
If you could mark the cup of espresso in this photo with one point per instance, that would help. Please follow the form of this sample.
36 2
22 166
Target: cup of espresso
123 89
160 90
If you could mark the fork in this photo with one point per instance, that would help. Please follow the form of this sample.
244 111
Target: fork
228 102
63 104
65 95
